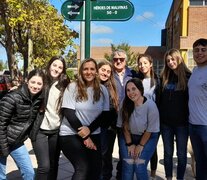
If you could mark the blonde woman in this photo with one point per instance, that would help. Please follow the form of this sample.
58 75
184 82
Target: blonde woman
173 109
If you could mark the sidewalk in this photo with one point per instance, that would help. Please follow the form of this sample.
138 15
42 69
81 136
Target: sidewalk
66 170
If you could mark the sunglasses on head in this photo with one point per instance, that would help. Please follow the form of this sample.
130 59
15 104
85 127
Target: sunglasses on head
120 59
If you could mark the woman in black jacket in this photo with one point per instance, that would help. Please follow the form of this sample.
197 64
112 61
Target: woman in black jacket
18 110
173 108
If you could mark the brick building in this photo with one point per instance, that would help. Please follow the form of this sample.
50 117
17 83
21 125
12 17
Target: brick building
157 53
186 22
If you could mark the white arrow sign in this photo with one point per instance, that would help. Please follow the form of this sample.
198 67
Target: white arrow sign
73 6
72 13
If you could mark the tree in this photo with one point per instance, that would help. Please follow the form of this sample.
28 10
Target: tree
131 56
1 65
32 26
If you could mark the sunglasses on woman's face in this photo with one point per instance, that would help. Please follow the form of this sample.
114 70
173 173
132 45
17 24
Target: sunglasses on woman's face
120 59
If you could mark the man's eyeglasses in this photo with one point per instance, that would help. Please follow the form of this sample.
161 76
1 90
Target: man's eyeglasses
120 59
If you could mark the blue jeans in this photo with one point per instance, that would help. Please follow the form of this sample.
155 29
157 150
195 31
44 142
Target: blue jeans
23 162
181 138
138 166
198 136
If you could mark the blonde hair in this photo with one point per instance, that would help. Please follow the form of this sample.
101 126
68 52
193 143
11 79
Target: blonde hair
181 70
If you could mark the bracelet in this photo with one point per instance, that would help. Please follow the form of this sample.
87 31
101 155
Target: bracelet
129 144
141 145
86 137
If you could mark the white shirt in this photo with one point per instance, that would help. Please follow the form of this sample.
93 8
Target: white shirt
86 111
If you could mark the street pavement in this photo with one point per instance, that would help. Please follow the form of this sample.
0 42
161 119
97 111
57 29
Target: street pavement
66 170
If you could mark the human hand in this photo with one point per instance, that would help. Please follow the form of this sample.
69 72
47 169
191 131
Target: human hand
131 150
89 144
138 150
84 131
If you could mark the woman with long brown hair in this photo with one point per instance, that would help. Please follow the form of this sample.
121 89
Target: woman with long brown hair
85 103
173 108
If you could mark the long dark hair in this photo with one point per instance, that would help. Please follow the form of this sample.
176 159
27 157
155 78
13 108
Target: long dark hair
36 72
152 73
63 79
128 104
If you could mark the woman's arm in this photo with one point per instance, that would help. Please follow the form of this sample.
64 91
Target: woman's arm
139 148
128 139
145 138
7 108
72 118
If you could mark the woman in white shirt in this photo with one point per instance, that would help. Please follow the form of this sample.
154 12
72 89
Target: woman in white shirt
85 106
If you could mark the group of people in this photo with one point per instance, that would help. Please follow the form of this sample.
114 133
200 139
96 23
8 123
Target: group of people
82 118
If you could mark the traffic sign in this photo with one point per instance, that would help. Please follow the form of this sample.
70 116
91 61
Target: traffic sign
72 11
111 10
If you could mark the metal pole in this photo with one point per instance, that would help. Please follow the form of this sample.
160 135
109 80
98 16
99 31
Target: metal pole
82 35
87 28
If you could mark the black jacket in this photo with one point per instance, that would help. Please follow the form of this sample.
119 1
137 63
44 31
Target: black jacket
173 106
18 110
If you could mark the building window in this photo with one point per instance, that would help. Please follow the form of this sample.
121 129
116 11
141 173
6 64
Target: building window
191 63
198 2
158 65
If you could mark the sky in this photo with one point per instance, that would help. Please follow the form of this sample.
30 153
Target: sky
142 29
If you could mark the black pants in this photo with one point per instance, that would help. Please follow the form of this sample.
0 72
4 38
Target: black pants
153 161
86 162
47 151
119 164
107 145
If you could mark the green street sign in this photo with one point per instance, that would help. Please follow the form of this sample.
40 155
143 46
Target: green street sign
72 11
111 10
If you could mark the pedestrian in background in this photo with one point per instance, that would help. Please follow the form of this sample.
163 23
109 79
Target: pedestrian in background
139 118
108 132
18 110
173 108
85 106
45 132
151 83
198 107
5 85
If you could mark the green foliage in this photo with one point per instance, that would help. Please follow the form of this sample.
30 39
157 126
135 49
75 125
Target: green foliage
71 73
1 65
132 56
38 21
71 58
